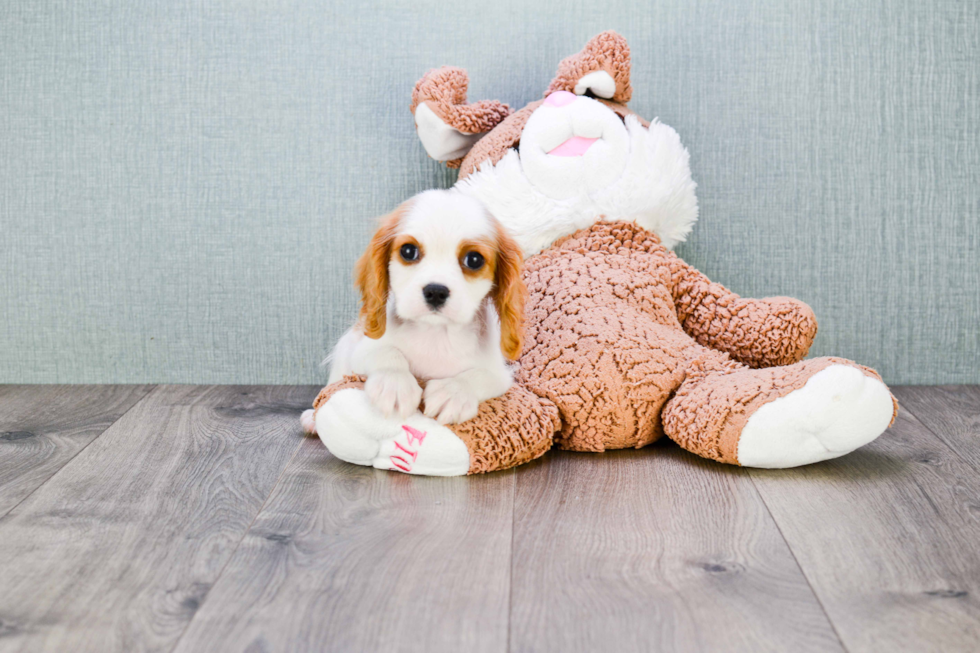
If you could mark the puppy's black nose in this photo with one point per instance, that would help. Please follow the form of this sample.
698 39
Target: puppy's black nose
435 294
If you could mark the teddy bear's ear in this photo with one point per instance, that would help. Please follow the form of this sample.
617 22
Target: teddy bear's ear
448 126
601 69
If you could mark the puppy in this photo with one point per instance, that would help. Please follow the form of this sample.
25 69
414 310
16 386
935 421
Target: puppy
443 301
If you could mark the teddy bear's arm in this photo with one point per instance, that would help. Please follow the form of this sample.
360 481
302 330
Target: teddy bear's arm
757 332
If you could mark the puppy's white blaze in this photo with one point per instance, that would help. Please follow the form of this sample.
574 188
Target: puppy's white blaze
440 221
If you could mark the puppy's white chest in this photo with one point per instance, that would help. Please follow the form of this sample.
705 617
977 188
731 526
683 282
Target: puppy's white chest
439 353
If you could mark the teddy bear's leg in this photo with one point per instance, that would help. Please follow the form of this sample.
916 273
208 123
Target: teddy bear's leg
764 332
508 430
782 416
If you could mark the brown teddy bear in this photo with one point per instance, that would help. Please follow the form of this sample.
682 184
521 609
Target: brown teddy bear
624 341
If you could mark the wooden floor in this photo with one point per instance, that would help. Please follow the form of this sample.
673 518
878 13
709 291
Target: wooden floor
182 518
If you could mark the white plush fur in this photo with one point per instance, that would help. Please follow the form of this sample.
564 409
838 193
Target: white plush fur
654 189
599 82
441 142
838 410
567 177
354 430
456 347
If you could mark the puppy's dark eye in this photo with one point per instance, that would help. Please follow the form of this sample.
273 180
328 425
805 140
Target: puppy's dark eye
409 252
473 260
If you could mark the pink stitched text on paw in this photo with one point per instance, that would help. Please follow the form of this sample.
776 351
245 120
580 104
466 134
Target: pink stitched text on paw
413 437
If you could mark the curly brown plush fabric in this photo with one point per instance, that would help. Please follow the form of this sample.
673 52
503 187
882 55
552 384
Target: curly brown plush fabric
324 395
609 371
757 332
509 430
497 143
624 341
444 90
617 324
607 51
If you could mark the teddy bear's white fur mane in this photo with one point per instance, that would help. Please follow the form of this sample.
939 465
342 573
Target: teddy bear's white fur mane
655 191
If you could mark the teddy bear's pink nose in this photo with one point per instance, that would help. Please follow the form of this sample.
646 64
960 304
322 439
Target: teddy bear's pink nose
560 99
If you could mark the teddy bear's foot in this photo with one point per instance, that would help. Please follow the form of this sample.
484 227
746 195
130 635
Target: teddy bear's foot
838 410
779 416
508 430
355 431
425 447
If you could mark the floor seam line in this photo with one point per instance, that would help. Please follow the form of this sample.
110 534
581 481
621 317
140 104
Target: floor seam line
813 591
139 401
510 566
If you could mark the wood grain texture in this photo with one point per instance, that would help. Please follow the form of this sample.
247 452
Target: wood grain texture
653 550
116 552
888 538
348 558
952 413
202 520
43 427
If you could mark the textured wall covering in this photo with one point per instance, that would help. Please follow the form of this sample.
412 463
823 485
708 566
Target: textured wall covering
184 186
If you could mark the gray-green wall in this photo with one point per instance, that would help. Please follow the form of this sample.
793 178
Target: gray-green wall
184 186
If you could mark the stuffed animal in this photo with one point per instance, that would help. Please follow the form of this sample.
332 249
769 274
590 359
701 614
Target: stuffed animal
624 341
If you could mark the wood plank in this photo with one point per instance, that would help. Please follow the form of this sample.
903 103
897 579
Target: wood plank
653 550
888 538
116 551
42 427
951 412
349 558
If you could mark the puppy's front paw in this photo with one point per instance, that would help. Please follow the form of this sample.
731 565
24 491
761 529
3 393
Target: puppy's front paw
450 401
394 393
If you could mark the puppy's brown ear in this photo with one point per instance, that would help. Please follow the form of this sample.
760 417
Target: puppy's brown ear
371 275
509 294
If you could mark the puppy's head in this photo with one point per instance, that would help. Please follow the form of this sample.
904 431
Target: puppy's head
436 259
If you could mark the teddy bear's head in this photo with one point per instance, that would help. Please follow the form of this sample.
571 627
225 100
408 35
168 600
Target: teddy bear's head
561 163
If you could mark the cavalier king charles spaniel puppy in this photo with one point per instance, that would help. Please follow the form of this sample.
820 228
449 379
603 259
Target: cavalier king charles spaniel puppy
443 302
